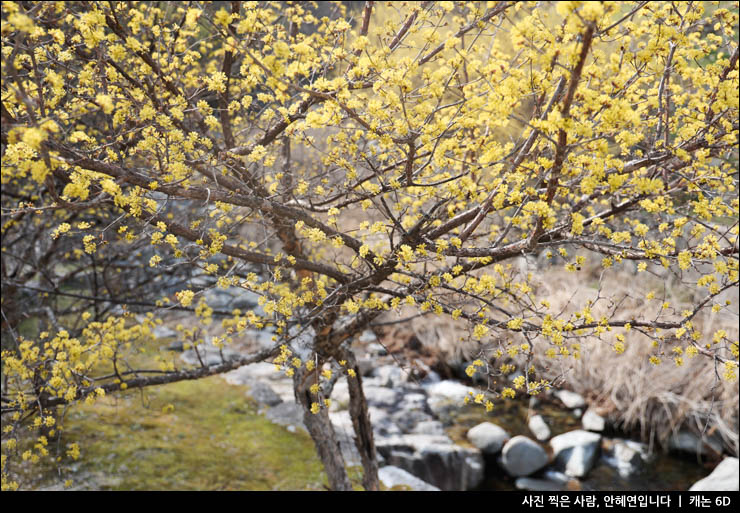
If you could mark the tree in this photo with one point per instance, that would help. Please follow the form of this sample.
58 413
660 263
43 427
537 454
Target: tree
345 162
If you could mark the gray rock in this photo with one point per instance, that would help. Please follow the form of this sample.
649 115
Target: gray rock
576 451
381 397
522 457
407 420
375 348
413 400
209 355
164 332
286 414
539 427
625 459
263 393
592 421
558 477
538 485
434 459
339 396
570 399
368 336
263 372
686 441
724 478
445 397
392 476
488 437
345 433
429 427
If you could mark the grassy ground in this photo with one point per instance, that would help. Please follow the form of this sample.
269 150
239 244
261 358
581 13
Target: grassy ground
196 435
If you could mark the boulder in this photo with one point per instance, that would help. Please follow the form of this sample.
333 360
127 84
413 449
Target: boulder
592 421
538 485
263 393
434 459
539 428
576 451
488 437
626 456
209 355
429 427
390 375
380 397
522 456
407 420
570 399
286 414
686 441
392 476
447 397
724 478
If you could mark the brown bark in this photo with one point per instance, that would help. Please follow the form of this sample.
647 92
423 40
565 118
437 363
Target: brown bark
361 422
322 433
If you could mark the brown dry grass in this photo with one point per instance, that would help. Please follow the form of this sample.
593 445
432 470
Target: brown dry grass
635 395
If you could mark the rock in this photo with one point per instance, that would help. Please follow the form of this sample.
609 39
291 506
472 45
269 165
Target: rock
626 459
445 397
263 372
539 428
592 421
686 441
209 355
381 397
488 437
576 451
286 414
392 476
558 477
522 457
407 420
164 332
368 336
375 348
411 401
724 478
538 485
390 375
434 459
570 399
263 393
429 427
345 432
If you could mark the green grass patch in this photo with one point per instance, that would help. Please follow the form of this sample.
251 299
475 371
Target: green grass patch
213 439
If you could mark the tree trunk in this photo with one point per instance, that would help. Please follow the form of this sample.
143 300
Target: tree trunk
322 432
361 423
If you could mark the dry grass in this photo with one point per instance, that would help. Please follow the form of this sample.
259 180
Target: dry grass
656 400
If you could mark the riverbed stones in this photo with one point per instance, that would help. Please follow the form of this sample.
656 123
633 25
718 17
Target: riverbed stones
724 478
538 485
209 355
686 441
488 437
522 457
539 428
576 451
446 397
390 375
434 459
286 414
592 421
392 476
263 393
570 399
